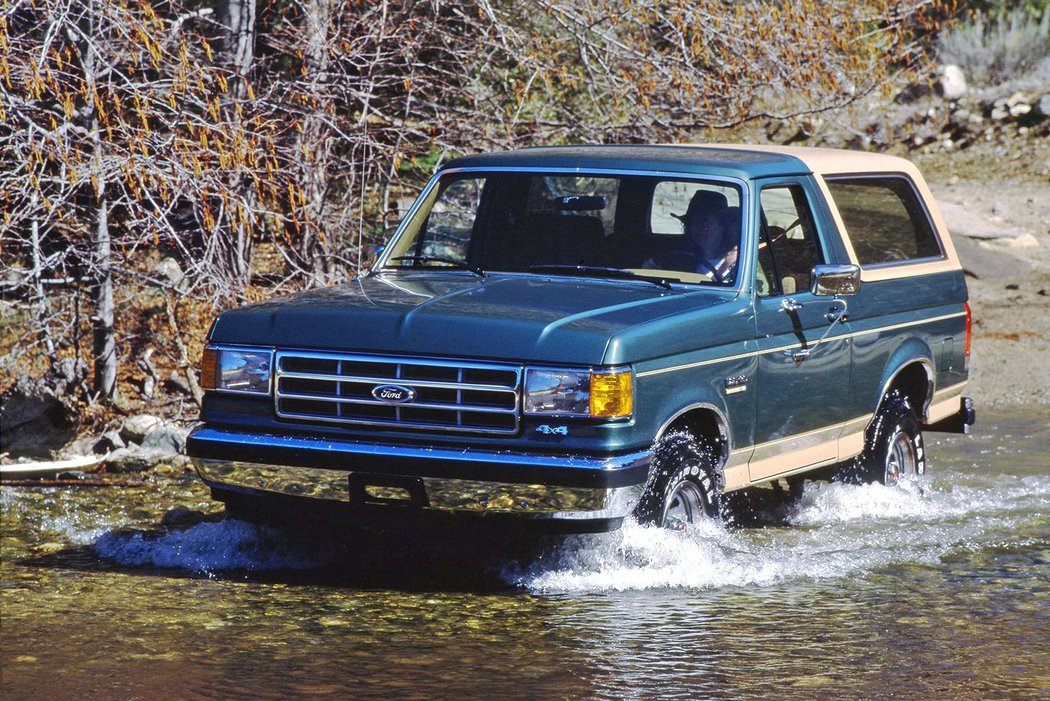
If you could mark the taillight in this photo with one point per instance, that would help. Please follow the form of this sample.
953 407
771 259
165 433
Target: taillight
969 336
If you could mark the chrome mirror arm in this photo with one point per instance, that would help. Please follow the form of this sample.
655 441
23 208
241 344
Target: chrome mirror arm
834 316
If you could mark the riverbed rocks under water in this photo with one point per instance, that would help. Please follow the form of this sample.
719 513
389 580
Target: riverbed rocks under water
937 589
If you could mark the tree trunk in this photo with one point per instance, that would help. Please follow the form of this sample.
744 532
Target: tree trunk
38 286
103 331
316 246
240 50
240 39
105 345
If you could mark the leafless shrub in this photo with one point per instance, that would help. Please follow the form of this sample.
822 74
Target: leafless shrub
130 131
994 51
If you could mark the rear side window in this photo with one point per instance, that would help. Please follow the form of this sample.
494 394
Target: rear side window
671 200
563 196
884 219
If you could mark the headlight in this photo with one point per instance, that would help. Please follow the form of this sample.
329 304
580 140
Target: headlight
236 369
593 393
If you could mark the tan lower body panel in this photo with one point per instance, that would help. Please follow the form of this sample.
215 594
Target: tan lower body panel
945 403
796 454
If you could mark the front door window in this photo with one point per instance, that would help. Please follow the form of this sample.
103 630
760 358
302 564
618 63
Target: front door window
789 247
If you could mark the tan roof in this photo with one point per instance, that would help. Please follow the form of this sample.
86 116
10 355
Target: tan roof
831 161
827 161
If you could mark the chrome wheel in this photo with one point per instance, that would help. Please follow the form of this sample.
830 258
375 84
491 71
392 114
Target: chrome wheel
893 446
683 488
685 506
902 460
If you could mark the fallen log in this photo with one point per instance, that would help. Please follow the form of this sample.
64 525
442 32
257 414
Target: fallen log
23 470
88 482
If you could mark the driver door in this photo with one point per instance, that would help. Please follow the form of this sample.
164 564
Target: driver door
802 377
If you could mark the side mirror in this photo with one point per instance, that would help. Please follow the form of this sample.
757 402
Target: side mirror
835 280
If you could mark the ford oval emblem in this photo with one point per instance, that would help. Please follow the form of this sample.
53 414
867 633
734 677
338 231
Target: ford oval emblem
395 394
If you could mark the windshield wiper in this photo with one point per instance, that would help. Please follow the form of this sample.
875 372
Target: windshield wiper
458 264
597 271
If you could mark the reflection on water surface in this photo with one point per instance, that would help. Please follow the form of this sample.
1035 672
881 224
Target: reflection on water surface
939 589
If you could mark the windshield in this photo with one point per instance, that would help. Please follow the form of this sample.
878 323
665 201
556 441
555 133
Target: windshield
650 226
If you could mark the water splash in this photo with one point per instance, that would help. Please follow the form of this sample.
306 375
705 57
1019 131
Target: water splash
207 547
835 531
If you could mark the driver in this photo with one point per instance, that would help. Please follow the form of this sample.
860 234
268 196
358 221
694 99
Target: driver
711 226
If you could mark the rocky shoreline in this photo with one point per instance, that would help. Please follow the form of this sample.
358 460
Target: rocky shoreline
141 444
999 217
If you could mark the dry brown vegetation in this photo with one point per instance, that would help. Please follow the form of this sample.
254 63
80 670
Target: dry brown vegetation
162 160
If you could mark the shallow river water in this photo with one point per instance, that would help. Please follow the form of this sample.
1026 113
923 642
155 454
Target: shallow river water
938 589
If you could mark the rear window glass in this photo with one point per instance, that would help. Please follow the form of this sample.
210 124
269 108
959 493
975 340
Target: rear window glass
671 200
884 219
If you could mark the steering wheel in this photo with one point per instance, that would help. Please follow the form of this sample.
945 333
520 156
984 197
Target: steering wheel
688 259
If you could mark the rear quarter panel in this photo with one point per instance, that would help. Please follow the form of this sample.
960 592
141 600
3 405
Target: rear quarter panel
907 312
899 321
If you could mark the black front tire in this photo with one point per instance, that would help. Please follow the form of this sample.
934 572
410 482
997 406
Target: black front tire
893 447
683 489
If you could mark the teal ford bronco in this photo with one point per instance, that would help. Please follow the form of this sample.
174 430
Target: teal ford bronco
567 337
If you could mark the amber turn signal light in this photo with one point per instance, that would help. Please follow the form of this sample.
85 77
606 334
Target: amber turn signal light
209 364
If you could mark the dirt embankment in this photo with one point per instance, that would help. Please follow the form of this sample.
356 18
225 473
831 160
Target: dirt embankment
997 207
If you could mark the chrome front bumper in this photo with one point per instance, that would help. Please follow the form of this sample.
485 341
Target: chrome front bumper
544 487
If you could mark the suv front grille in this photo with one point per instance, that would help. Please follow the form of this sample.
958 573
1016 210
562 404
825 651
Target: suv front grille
443 394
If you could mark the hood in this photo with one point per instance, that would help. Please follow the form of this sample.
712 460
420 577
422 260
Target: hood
530 318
